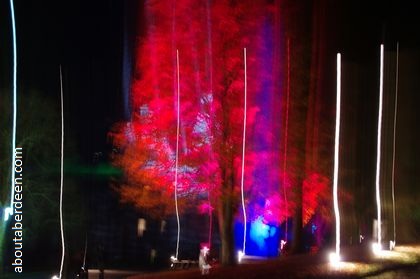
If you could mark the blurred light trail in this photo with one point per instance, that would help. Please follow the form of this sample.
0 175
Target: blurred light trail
63 251
393 150
176 157
378 154
9 211
286 138
85 252
209 45
336 258
243 155
209 70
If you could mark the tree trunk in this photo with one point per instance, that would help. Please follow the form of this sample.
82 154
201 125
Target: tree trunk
297 244
298 20
226 223
226 212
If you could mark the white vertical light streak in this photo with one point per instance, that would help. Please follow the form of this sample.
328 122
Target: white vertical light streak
393 148
10 210
336 157
63 248
210 71
243 154
378 153
176 158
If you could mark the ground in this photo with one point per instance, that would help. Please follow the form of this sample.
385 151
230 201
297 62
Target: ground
358 262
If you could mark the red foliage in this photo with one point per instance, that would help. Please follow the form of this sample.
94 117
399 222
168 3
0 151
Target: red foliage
210 38
317 193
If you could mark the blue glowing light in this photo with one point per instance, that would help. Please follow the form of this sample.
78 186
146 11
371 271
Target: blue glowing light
259 232
262 238
314 228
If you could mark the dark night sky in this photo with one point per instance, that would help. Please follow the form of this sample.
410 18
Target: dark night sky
85 37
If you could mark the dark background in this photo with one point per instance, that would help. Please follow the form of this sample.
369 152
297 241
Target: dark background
93 41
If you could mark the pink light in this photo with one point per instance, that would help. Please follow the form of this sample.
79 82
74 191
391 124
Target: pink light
243 156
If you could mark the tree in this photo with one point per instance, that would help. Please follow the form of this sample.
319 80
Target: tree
209 41
311 92
41 180
197 50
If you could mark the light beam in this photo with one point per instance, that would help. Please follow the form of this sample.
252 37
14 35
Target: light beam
286 138
243 154
63 248
176 158
336 258
393 151
9 211
378 153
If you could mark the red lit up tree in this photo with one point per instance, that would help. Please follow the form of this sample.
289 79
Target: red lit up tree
209 41
309 163
196 49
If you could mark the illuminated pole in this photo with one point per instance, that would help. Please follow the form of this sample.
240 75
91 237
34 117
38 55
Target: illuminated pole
62 174
210 72
243 154
9 211
176 158
378 154
286 134
336 159
393 149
